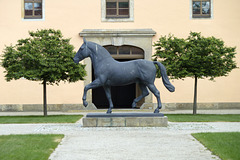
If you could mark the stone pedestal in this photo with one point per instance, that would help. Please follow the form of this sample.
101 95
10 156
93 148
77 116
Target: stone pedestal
125 120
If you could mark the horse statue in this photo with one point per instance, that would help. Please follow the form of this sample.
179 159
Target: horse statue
109 72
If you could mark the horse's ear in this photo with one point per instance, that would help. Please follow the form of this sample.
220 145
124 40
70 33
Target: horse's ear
84 40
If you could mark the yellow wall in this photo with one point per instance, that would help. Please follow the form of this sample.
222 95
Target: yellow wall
163 16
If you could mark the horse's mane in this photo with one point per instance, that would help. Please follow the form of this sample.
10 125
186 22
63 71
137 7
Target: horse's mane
98 49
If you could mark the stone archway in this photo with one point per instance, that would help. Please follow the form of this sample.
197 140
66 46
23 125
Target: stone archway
141 38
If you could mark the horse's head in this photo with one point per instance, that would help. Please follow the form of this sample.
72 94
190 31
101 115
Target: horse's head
82 53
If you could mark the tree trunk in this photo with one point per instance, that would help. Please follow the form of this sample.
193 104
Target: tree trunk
195 97
45 98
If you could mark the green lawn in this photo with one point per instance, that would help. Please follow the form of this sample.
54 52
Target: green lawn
40 119
225 145
203 117
28 147
74 118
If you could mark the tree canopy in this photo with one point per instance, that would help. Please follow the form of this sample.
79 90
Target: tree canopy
196 56
45 56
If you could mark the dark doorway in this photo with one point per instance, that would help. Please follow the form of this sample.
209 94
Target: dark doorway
122 96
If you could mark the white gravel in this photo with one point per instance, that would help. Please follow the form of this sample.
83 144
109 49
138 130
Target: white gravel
172 142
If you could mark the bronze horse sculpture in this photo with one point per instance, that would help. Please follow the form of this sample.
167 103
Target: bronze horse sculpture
109 72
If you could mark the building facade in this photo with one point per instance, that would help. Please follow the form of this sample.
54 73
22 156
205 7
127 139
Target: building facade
128 29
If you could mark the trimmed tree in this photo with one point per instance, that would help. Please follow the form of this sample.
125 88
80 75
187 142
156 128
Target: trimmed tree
196 56
46 57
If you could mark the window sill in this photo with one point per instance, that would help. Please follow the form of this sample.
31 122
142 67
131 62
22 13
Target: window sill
202 18
197 16
117 20
31 19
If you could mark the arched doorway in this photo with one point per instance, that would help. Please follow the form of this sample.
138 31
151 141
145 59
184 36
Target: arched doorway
122 96
118 37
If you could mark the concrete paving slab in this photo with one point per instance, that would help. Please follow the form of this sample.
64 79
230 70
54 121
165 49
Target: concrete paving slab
132 145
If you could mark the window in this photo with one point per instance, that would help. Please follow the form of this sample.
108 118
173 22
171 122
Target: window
33 9
117 8
201 8
125 52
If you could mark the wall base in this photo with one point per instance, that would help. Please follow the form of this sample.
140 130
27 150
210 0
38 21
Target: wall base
91 106
39 107
189 106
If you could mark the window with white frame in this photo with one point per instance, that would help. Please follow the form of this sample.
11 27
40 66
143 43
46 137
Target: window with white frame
33 9
117 10
201 8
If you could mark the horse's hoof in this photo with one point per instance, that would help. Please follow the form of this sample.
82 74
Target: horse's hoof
134 105
85 103
109 111
156 111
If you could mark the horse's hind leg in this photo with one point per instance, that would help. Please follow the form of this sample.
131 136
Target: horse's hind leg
155 91
107 90
144 94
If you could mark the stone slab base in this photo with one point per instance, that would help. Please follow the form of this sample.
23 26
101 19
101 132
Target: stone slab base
125 121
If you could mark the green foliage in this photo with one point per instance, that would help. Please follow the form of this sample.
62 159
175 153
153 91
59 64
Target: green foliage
40 119
30 147
195 56
45 56
224 145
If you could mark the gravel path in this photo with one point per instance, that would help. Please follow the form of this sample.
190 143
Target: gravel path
172 142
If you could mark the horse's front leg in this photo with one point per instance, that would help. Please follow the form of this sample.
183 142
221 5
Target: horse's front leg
96 83
108 95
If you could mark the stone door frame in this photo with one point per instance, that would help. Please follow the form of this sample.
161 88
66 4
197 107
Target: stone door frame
141 38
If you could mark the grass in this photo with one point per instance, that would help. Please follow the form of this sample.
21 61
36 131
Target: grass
74 118
204 117
30 147
40 119
225 145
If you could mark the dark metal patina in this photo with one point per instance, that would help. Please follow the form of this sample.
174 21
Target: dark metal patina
109 72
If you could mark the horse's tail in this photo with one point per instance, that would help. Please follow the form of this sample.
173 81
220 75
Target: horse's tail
165 79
